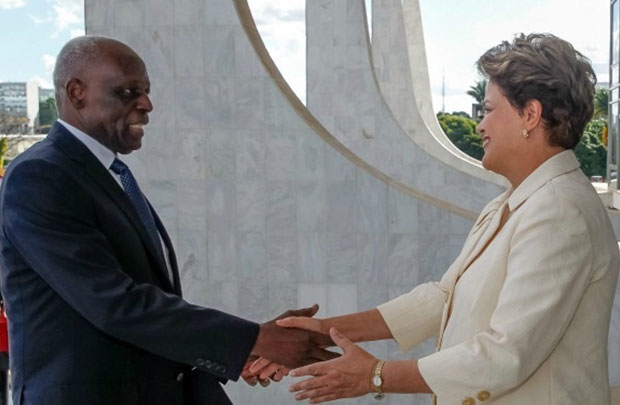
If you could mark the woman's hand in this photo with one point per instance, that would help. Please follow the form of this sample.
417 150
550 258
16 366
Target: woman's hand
261 370
303 322
345 377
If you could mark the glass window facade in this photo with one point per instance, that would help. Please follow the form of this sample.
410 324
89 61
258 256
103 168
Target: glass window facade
613 144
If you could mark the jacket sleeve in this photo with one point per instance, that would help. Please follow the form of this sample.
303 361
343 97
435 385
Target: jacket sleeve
548 269
47 215
416 316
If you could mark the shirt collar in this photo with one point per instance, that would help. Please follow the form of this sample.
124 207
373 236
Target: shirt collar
555 166
102 153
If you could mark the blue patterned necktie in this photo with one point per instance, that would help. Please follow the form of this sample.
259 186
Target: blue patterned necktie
139 202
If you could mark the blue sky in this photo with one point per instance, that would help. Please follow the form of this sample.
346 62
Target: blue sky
456 33
32 32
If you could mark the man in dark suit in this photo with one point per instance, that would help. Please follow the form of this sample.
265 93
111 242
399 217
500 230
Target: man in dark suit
89 275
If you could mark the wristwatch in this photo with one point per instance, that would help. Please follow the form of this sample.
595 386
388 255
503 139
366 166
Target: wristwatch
377 381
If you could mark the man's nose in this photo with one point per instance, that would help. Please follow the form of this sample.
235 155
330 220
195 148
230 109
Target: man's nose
144 103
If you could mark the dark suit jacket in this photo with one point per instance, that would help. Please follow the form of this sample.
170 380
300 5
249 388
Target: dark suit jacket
93 317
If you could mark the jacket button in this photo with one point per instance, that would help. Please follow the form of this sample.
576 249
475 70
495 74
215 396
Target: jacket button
180 377
469 401
200 362
484 395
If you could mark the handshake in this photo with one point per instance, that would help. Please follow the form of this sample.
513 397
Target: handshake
291 340
295 343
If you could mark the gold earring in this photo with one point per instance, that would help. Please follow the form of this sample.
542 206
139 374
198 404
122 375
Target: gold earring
525 134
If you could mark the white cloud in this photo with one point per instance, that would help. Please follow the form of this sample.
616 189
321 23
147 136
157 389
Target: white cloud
40 20
43 83
282 26
6 4
68 13
66 16
48 63
77 33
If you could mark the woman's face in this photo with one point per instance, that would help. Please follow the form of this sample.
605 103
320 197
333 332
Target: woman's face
501 131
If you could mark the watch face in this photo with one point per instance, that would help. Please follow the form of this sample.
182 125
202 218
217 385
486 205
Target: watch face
377 381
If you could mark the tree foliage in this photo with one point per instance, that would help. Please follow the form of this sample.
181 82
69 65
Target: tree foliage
462 132
478 91
47 112
591 151
601 103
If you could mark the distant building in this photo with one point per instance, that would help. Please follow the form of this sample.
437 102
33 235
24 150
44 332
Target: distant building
44 94
21 99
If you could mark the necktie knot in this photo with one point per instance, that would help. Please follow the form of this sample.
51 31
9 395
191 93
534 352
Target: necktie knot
118 167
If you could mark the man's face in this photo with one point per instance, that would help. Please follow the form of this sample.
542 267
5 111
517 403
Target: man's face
116 101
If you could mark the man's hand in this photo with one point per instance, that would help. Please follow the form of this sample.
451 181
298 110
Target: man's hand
292 347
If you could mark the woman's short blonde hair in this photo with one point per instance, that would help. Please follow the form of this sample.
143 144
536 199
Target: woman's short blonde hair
548 69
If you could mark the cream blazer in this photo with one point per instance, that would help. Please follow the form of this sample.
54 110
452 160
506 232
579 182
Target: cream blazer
526 321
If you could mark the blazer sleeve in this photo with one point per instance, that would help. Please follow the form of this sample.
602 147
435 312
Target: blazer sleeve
47 215
546 277
416 316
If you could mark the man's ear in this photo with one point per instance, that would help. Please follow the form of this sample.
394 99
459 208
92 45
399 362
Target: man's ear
532 113
76 93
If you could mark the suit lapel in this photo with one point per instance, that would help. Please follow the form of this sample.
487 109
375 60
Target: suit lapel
484 234
100 175
171 255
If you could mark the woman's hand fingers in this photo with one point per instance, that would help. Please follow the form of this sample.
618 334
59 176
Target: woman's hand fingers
270 371
281 373
309 384
260 364
301 322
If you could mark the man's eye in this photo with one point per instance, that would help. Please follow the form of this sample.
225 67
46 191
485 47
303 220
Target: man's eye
126 93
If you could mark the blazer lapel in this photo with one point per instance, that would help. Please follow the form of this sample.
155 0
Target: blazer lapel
485 233
100 175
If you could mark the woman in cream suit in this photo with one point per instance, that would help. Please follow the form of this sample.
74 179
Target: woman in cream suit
522 316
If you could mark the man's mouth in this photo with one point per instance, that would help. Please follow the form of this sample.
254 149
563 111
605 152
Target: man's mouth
485 141
137 129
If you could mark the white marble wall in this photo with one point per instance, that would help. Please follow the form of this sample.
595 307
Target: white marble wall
267 207
343 93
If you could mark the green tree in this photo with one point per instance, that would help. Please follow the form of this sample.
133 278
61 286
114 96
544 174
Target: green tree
591 152
601 102
478 91
462 132
47 112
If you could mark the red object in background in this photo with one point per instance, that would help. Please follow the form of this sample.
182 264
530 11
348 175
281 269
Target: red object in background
4 332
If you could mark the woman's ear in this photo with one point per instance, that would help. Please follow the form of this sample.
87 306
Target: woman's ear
532 113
